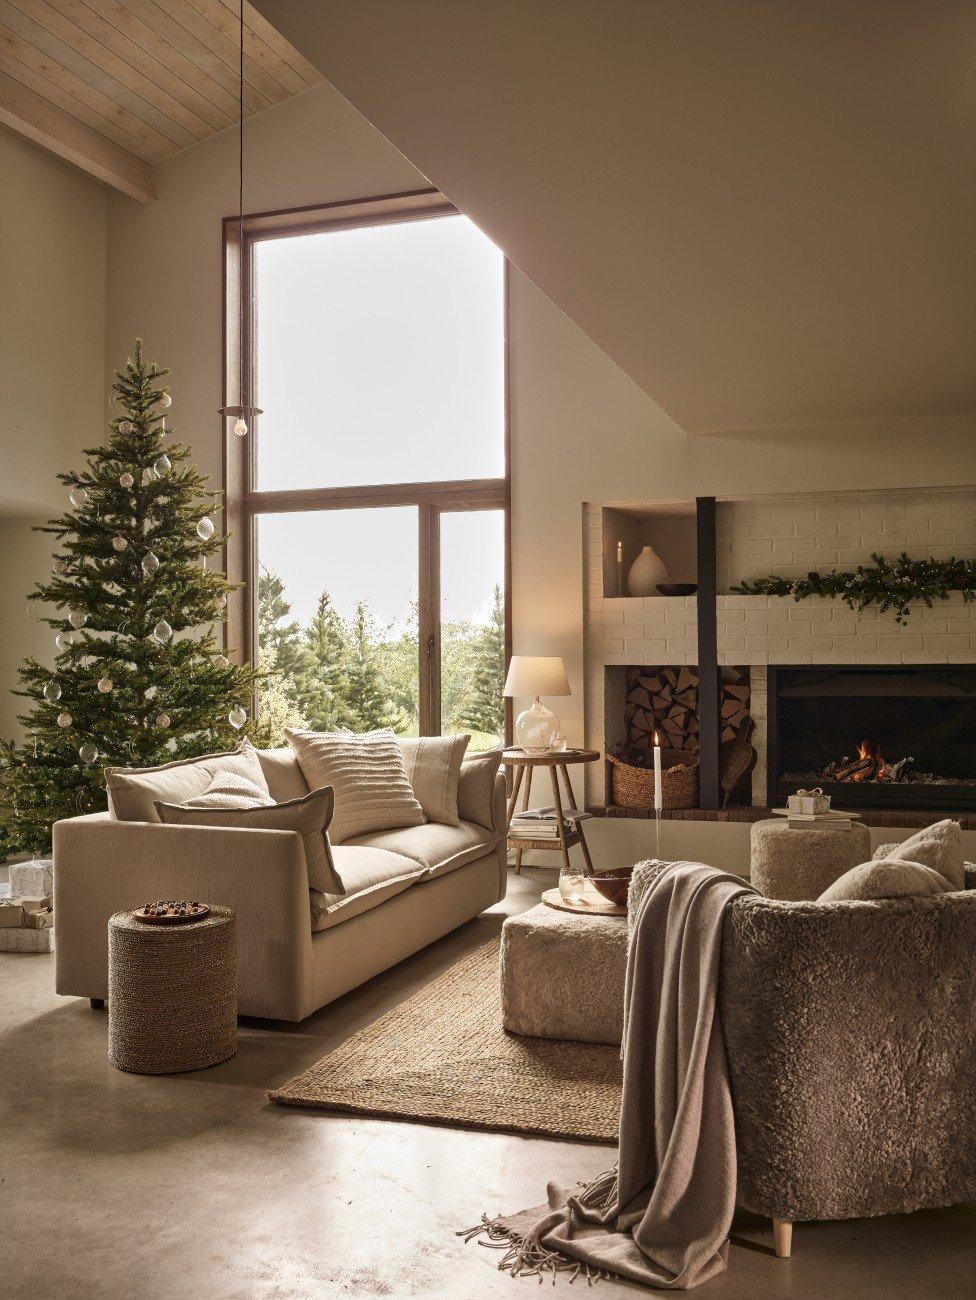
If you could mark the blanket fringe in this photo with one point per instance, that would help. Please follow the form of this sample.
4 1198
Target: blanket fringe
525 1258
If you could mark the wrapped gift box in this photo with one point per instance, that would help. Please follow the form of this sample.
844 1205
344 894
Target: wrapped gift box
27 940
11 914
35 878
41 918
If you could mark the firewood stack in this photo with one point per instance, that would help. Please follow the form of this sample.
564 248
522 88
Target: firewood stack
666 700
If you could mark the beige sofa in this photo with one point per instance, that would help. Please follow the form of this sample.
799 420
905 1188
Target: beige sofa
405 888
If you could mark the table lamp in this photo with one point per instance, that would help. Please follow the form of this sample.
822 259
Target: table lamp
536 675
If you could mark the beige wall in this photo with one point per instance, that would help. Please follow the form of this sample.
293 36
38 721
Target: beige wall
52 363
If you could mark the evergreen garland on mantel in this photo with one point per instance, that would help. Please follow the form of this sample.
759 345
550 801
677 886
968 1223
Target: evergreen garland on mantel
883 583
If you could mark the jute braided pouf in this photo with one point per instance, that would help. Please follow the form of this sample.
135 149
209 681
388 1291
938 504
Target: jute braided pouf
172 993
562 975
800 864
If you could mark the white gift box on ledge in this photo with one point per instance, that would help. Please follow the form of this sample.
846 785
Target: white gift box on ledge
809 803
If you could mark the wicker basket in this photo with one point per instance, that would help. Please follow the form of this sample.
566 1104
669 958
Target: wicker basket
633 787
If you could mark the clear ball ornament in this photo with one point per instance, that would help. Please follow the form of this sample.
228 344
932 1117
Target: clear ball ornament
237 717
205 529
162 465
126 480
151 692
162 632
64 720
221 661
221 602
166 401
78 496
77 618
106 685
119 543
240 426
87 752
150 563
64 640
126 426
52 692
163 720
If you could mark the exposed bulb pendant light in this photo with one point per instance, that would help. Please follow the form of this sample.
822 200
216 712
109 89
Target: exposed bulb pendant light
242 412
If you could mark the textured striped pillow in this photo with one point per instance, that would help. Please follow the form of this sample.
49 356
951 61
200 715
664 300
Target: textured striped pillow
372 791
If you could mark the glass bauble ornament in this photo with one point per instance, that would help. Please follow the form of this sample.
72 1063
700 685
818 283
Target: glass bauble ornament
205 529
221 661
222 602
52 692
64 640
106 685
162 632
126 426
78 496
237 717
77 618
126 480
151 692
166 401
150 563
162 465
88 753
163 720
119 543
240 426
64 720
60 567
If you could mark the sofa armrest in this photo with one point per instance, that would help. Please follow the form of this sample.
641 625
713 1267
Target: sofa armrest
481 792
102 866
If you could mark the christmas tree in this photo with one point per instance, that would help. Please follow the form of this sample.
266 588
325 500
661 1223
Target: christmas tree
139 677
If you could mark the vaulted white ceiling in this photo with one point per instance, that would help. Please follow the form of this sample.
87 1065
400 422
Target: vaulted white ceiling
764 211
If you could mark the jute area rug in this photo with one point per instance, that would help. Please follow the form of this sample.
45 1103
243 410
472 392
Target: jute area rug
442 1057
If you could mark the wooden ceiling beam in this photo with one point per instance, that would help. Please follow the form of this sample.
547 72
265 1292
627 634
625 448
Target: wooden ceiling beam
39 120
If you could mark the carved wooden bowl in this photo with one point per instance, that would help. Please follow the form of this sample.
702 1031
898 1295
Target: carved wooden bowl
613 884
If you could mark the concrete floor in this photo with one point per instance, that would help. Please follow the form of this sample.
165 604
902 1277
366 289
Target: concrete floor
114 1184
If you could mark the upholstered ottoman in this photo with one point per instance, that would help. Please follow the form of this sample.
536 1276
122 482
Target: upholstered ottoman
800 864
562 975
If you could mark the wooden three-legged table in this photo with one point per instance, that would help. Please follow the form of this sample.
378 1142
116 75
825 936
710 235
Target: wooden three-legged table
522 764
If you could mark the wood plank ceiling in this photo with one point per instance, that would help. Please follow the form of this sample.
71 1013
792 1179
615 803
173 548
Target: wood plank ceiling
114 86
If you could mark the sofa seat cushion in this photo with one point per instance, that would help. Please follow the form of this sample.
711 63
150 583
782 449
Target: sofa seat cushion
437 848
370 875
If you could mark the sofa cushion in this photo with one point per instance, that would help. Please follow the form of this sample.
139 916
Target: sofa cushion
308 817
438 849
433 765
228 790
476 789
893 879
132 791
372 792
283 774
938 846
370 875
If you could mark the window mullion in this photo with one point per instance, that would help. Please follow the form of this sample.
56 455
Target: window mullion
429 637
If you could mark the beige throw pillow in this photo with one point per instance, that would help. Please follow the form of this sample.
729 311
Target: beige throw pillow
938 846
308 817
372 792
433 766
887 879
228 790
132 791
476 789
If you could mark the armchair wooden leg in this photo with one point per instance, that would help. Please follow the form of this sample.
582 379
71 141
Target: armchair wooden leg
97 1003
782 1238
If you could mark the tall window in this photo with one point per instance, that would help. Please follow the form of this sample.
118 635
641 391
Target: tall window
375 483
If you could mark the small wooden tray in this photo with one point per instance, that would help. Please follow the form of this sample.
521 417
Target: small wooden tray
591 904
199 912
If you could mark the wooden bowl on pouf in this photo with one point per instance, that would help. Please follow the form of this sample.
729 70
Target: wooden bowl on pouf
614 885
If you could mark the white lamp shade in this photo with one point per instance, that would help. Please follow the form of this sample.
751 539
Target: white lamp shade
537 675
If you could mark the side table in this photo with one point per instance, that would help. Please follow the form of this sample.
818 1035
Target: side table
172 993
523 765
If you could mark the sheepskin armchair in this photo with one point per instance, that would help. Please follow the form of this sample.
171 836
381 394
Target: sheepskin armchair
850 1033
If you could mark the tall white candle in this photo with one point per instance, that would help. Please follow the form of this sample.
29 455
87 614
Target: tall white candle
658 791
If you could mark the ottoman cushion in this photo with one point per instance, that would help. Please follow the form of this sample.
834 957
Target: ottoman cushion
562 975
801 864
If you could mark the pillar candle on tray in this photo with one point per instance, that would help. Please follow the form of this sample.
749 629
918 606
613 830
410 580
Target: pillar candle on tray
658 791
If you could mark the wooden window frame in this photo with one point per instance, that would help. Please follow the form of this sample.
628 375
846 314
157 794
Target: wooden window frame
243 502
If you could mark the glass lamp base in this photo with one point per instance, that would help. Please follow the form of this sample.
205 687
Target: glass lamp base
536 728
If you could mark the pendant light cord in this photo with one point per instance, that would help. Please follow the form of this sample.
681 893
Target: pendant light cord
240 211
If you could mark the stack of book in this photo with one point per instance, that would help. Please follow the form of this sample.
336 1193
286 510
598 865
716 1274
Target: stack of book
540 823
833 820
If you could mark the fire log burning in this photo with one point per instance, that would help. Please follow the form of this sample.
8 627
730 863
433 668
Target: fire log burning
870 765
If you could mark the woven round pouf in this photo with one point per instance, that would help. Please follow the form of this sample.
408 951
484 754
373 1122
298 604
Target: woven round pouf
172 993
800 864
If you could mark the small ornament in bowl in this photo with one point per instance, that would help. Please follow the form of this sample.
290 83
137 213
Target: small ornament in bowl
614 884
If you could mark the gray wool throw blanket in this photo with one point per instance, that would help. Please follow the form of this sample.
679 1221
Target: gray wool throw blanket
662 1216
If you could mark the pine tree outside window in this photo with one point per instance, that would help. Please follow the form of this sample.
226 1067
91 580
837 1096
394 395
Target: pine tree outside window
373 492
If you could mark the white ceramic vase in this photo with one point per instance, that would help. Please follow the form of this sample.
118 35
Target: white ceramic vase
646 572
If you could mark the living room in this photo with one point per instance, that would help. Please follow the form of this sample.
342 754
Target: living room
402 363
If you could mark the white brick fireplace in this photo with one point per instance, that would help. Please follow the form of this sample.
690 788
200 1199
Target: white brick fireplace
790 535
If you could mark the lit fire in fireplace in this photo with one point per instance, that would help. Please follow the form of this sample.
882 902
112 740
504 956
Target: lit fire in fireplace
870 765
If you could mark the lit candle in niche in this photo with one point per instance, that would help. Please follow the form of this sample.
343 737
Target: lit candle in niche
658 791
620 568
